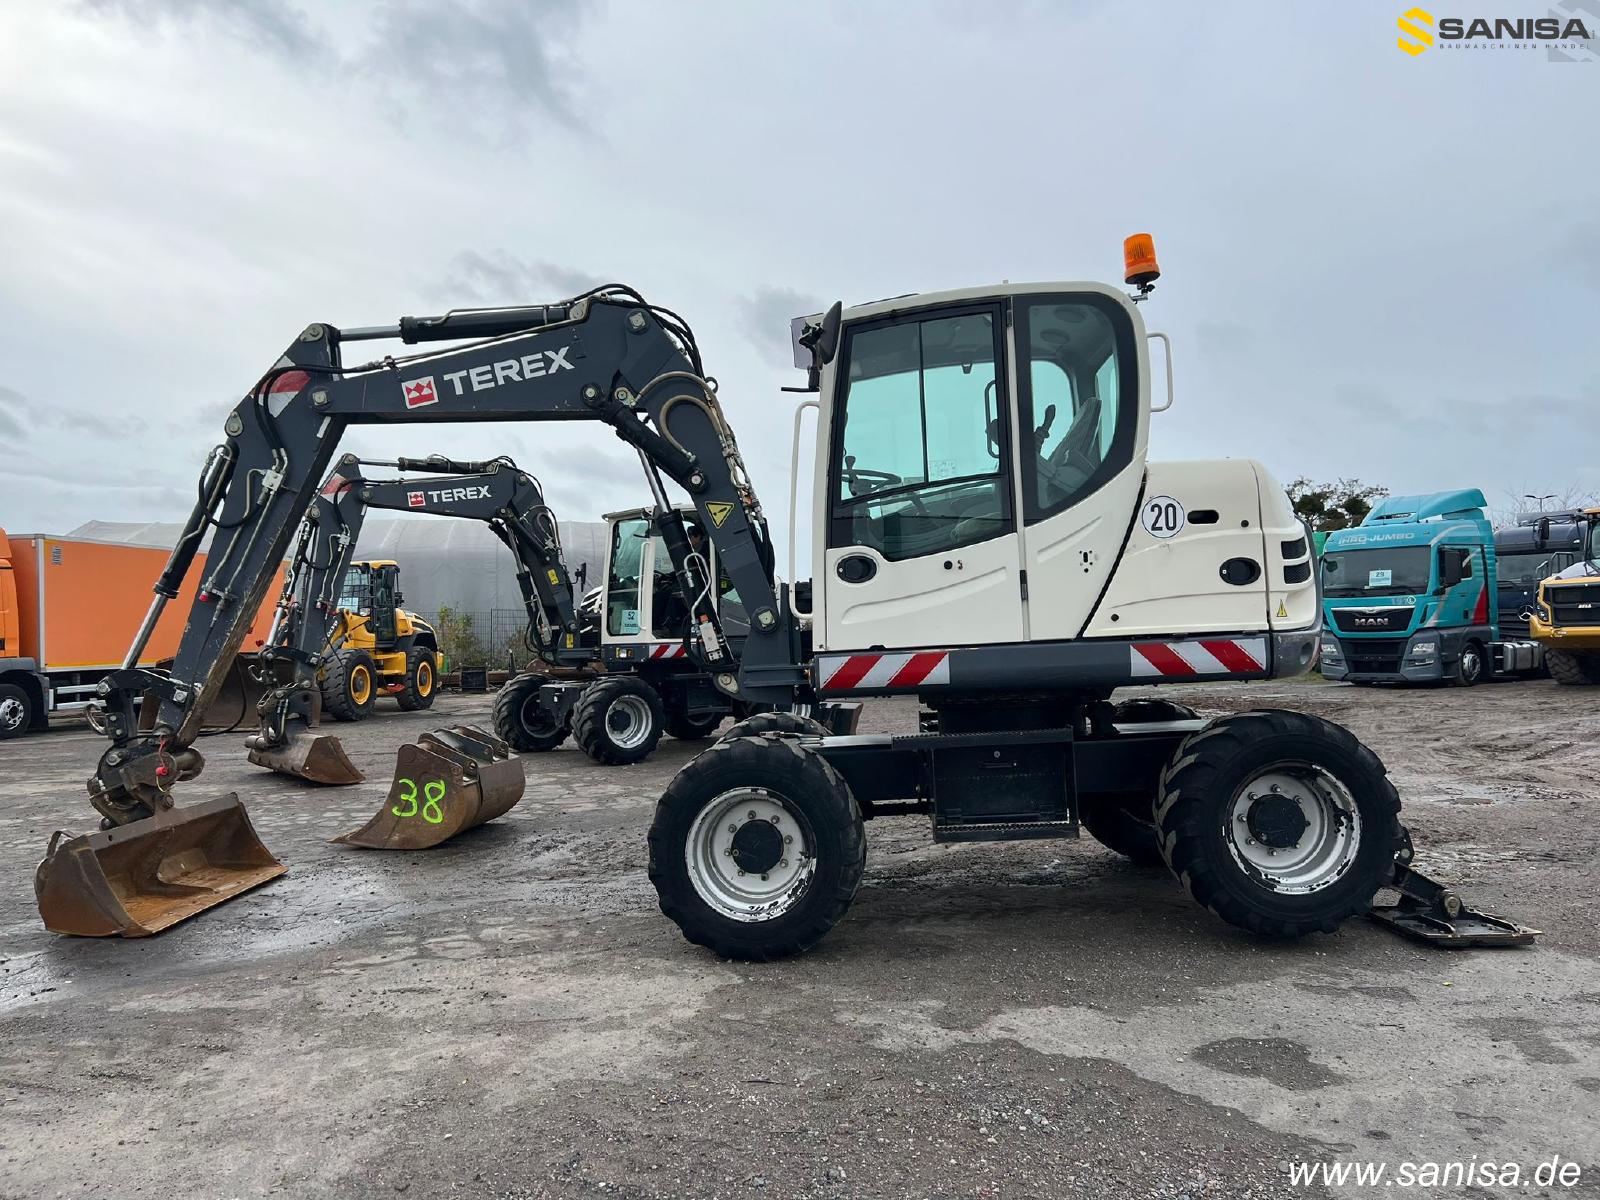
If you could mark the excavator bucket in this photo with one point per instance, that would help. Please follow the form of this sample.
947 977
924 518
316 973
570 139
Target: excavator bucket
444 782
317 757
136 879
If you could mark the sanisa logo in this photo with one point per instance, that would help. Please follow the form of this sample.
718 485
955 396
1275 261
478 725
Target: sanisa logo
1562 34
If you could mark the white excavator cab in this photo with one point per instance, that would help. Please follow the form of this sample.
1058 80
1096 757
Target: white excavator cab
642 612
981 481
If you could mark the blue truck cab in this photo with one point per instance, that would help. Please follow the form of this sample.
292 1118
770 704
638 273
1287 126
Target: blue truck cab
1409 595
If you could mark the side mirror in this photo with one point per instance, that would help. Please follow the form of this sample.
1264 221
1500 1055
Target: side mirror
823 340
1544 531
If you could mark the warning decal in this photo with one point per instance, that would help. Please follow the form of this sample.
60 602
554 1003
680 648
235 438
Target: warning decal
719 511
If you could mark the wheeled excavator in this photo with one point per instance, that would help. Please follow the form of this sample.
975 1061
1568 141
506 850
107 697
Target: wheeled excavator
307 655
616 679
988 537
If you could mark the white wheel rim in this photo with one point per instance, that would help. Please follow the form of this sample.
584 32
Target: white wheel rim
11 713
628 722
731 827
1293 854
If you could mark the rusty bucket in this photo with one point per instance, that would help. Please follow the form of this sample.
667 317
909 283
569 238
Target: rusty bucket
321 758
137 879
444 782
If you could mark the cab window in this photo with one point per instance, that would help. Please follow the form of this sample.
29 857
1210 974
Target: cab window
622 587
920 448
1080 399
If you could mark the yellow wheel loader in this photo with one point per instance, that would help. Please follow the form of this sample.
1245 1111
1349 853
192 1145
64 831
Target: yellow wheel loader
377 646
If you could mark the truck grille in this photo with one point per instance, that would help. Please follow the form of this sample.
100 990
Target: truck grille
1391 619
1575 604
1373 655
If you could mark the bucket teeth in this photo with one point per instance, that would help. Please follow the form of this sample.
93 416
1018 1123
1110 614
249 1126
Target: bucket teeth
137 879
321 759
444 782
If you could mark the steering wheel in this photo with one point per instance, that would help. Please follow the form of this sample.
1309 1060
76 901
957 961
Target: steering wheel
853 474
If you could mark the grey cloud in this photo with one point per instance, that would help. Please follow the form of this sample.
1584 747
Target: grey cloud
277 27
766 314
12 408
497 277
500 57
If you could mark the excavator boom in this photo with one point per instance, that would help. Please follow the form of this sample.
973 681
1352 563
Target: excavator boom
606 356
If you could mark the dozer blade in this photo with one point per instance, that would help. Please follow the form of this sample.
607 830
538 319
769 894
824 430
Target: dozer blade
139 878
320 758
444 782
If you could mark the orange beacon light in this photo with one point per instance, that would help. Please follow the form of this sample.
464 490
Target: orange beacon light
1139 261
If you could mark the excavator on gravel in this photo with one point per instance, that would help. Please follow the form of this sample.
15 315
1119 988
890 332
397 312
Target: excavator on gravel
988 536
308 656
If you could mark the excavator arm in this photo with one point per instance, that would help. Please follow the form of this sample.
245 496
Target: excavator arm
607 356
495 492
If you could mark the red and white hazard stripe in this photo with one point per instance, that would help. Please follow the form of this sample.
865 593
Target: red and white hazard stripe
1207 656
850 672
668 650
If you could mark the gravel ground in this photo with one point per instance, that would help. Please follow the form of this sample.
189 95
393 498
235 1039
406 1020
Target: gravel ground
510 1016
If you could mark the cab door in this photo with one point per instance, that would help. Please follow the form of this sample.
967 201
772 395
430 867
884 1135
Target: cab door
1084 407
385 593
921 537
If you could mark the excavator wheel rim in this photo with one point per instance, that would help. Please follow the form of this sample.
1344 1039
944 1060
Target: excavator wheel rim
719 832
1330 833
360 684
628 722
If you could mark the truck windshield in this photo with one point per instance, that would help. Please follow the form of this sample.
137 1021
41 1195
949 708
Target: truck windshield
1519 570
1391 571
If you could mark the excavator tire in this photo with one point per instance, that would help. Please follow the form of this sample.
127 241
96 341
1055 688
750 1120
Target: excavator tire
618 721
1573 670
520 720
787 724
351 688
421 684
1126 822
1279 822
783 812
692 729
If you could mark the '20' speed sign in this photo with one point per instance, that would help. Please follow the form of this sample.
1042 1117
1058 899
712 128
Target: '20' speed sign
1162 517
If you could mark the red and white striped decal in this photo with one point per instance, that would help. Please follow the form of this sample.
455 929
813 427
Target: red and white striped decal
849 672
1210 656
668 650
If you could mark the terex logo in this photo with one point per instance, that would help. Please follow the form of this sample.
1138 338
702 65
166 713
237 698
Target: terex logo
446 495
510 370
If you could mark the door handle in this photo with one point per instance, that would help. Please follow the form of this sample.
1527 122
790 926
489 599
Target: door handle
856 568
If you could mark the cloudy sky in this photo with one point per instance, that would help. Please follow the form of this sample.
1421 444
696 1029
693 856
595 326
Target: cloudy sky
1376 266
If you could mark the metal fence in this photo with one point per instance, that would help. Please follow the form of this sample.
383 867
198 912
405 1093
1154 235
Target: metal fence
493 637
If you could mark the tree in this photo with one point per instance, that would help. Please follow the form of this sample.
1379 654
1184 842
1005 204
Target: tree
1336 505
458 639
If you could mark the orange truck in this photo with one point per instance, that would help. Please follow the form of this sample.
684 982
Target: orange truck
69 610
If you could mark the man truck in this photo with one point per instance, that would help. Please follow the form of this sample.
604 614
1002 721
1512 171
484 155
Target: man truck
1409 596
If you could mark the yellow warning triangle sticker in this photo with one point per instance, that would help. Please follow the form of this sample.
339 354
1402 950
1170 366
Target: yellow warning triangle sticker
719 510
1282 611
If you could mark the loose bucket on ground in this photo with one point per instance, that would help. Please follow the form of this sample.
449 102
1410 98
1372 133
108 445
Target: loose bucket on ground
444 782
139 878
320 758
